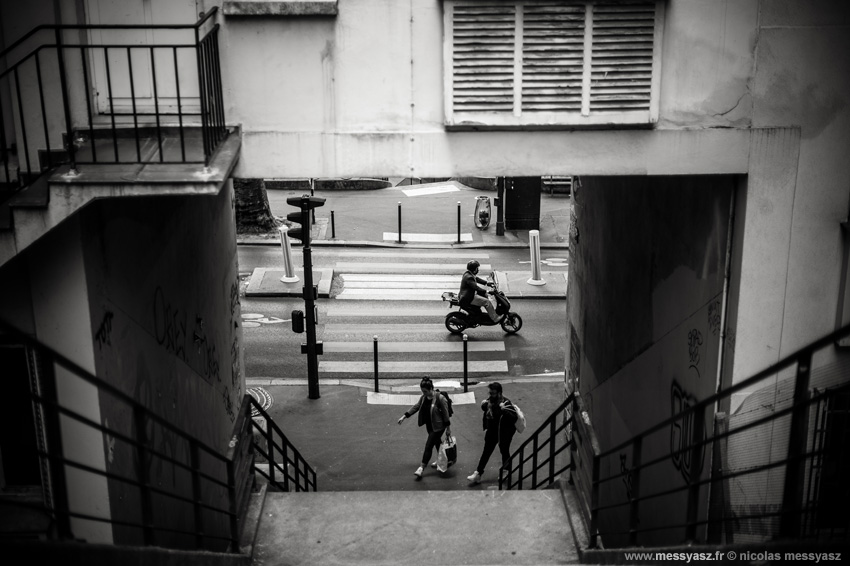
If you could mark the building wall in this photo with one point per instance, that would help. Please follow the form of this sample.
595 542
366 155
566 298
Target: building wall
646 284
165 320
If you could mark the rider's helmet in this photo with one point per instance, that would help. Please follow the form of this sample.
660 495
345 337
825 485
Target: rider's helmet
473 266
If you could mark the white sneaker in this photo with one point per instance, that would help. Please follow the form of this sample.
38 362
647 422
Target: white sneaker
418 472
475 478
434 464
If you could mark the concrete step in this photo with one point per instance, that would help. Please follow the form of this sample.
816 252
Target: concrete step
428 527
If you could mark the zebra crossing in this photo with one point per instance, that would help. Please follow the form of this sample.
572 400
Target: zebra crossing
407 324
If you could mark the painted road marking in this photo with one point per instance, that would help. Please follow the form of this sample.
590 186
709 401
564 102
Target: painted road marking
392 294
414 366
441 238
394 312
404 268
382 329
373 398
430 190
384 347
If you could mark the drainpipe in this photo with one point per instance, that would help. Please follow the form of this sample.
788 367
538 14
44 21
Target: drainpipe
724 301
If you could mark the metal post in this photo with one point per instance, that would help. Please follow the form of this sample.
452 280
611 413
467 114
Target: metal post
286 247
458 222
375 357
312 211
333 226
534 463
465 364
399 222
310 314
534 245
270 451
63 85
696 455
637 448
795 466
500 212
234 511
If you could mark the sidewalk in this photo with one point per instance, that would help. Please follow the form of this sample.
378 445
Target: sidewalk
370 218
355 446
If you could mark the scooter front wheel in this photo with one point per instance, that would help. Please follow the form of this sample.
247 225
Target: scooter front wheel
511 323
455 323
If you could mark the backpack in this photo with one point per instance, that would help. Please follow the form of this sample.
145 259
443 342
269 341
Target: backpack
448 402
520 418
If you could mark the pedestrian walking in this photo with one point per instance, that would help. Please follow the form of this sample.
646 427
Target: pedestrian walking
434 414
500 418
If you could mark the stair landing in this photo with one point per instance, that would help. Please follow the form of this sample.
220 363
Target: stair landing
400 527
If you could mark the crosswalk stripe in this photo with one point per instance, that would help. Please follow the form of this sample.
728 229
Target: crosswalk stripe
388 347
375 295
400 278
421 312
405 237
442 285
384 329
343 267
373 398
413 366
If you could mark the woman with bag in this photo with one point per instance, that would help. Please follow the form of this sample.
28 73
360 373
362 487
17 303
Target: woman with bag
434 414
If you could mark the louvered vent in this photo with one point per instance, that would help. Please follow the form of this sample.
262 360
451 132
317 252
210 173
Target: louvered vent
621 67
552 57
483 57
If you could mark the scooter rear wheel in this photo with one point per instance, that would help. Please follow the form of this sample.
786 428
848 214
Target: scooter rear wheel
454 323
511 323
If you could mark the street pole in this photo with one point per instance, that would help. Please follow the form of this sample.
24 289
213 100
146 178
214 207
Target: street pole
310 314
500 211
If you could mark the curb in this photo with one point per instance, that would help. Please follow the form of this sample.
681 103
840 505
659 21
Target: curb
424 246
405 382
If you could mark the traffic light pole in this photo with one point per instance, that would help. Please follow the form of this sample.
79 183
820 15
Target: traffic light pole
310 315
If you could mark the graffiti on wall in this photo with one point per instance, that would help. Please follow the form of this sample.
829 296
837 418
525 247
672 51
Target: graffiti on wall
714 316
627 475
103 336
169 325
682 433
575 358
694 343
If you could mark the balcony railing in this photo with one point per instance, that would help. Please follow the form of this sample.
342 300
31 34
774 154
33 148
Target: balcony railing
90 94
202 500
797 477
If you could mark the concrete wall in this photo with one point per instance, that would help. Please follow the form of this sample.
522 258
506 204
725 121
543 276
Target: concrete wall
646 287
166 326
362 94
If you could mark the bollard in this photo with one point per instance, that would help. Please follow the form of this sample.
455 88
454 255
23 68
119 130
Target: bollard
534 245
465 364
333 227
375 355
399 222
458 222
285 245
313 211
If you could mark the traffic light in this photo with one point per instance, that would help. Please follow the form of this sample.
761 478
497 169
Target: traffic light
298 321
306 203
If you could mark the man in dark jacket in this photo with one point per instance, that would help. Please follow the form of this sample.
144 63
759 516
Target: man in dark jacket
471 295
499 428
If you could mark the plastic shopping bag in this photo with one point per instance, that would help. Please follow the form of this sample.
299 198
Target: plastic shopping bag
442 459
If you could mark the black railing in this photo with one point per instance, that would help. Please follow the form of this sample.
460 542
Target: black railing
214 486
286 469
797 490
145 93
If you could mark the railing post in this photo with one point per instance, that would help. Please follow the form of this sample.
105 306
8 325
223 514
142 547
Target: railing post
552 434
63 84
534 462
142 470
696 450
594 502
375 358
795 466
333 226
203 96
270 450
519 469
465 363
285 454
196 493
53 431
637 448
234 515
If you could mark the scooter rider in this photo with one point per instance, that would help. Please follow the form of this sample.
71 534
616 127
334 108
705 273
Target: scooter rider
472 294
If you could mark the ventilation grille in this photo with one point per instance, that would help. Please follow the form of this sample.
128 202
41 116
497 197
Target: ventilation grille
483 57
552 57
621 67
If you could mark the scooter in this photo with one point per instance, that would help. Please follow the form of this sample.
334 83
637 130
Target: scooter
461 319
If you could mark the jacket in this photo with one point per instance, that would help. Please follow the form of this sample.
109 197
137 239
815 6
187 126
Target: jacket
507 416
439 412
469 288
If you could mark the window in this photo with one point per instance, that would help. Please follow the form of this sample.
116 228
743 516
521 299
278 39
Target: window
551 63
